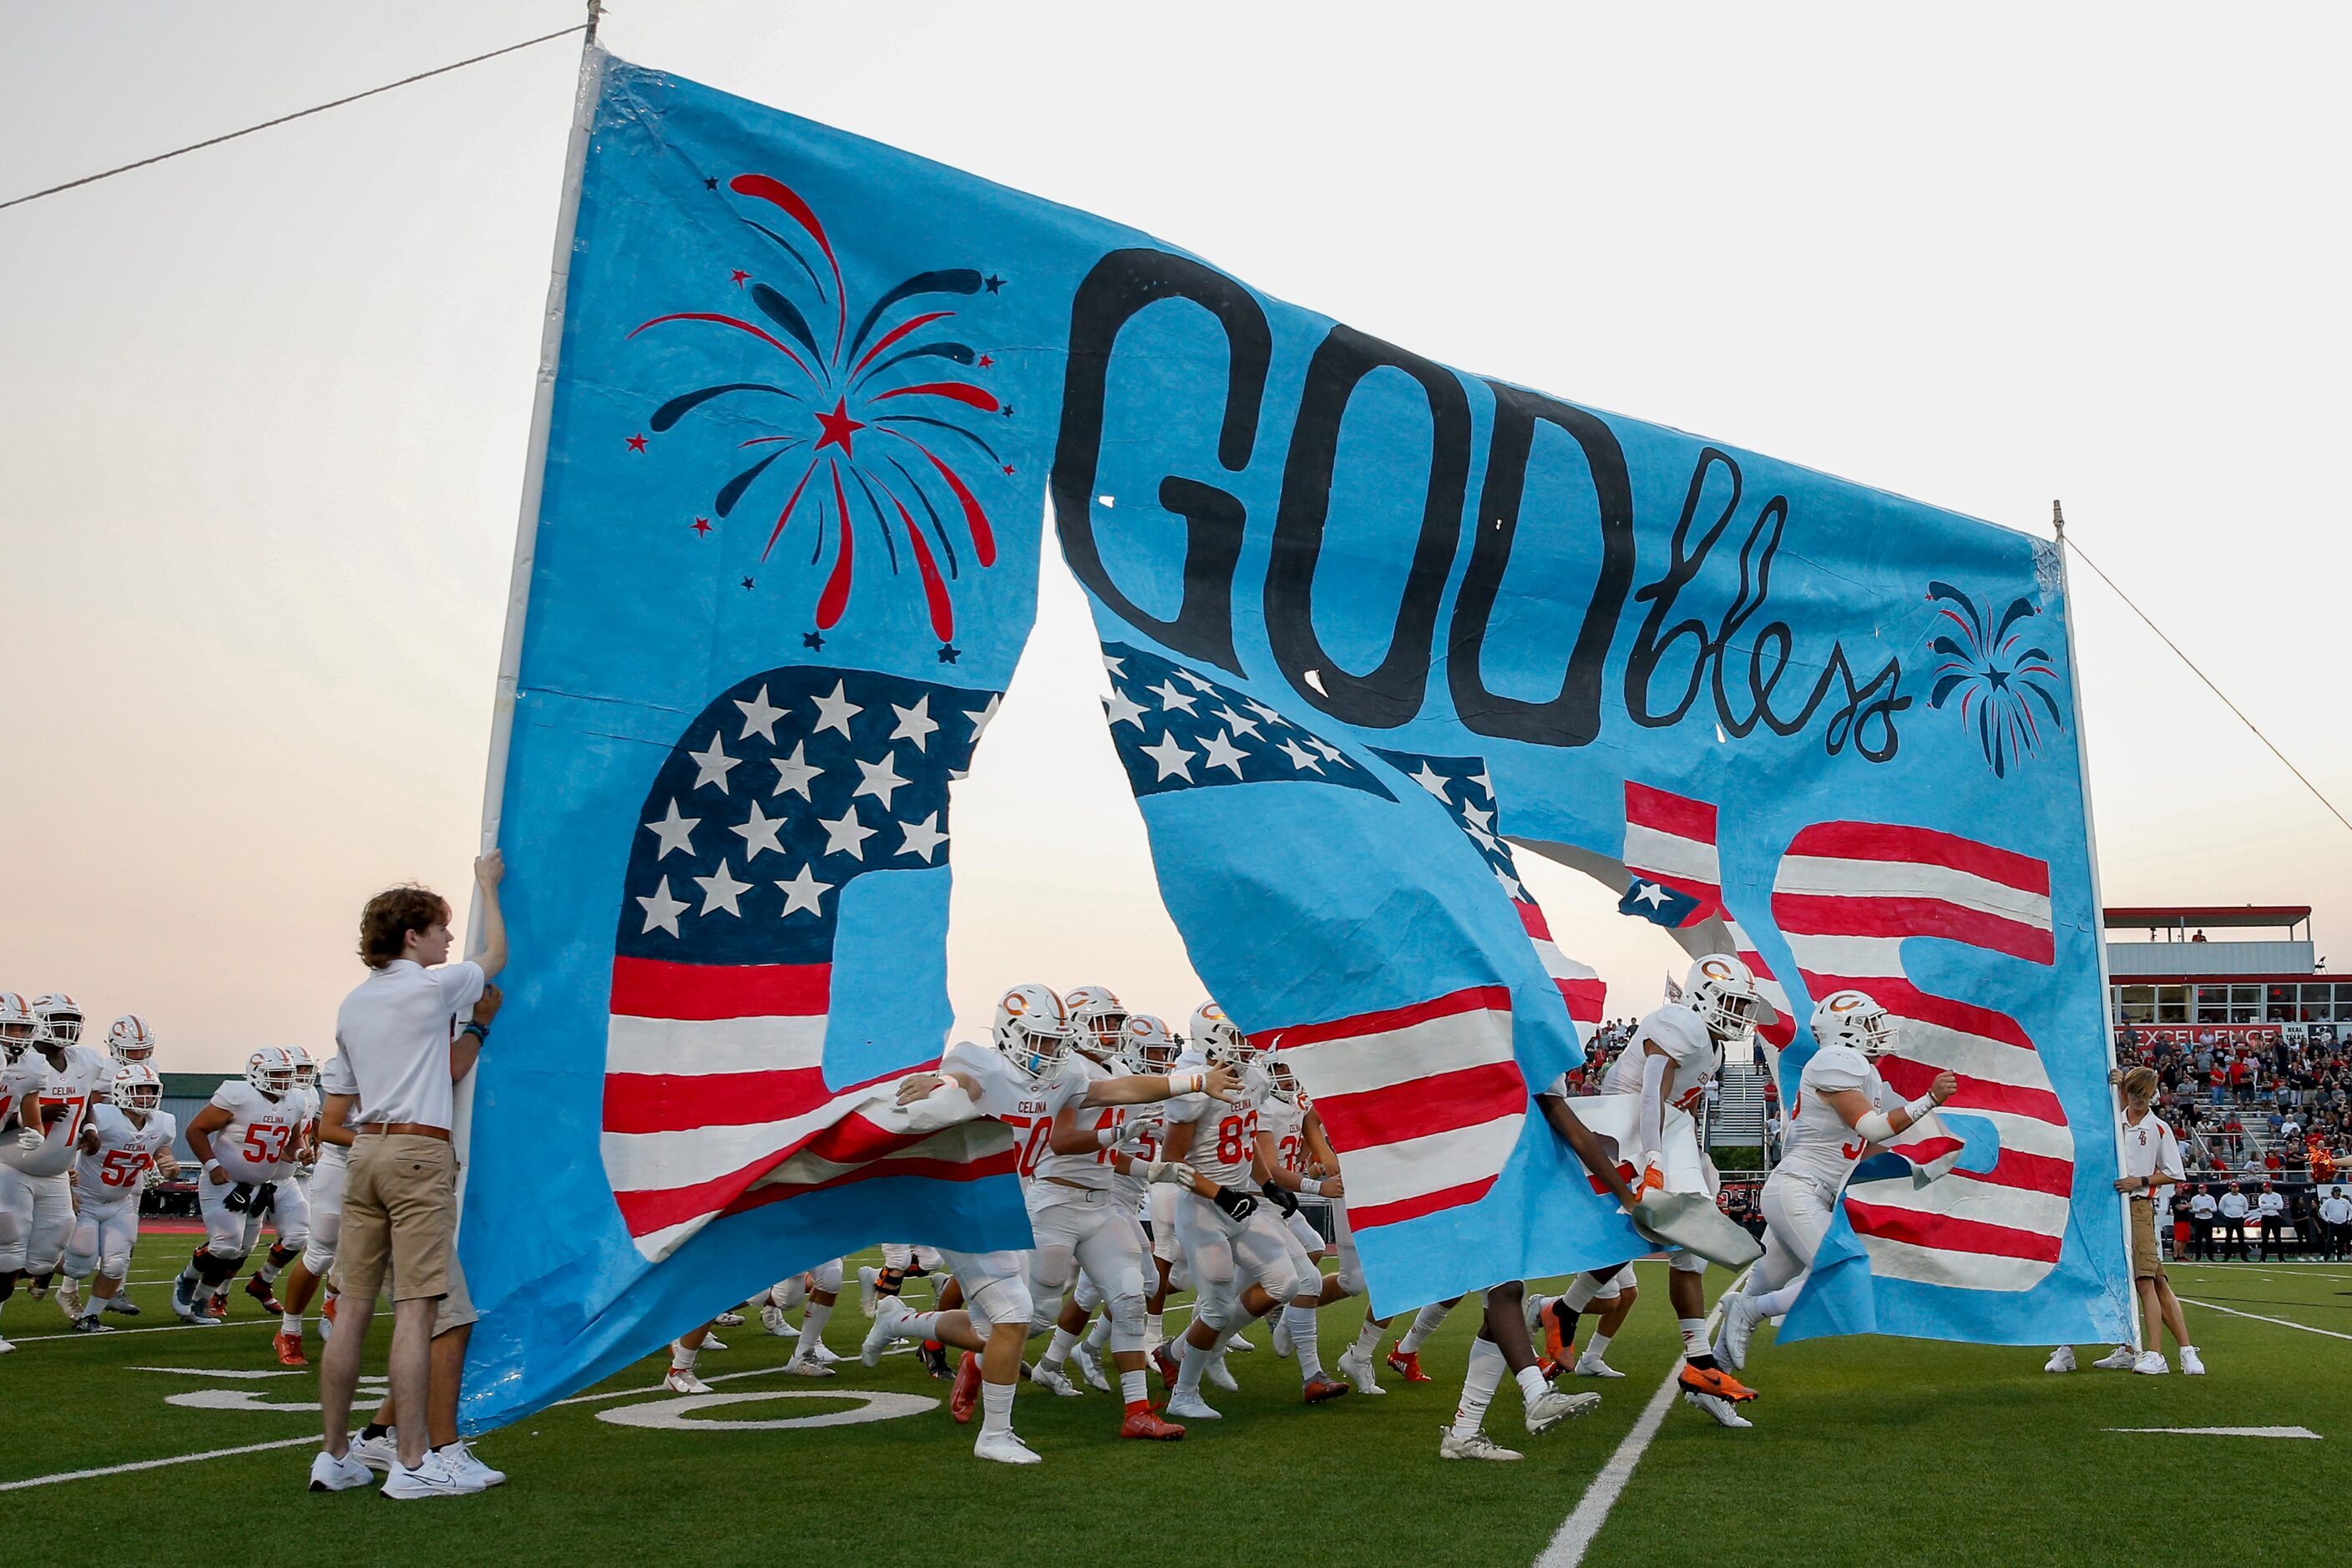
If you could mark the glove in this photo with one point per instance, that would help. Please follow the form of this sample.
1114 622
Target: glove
1284 1199
265 1197
29 1139
239 1197
1653 1178
1238 1204
1173 1172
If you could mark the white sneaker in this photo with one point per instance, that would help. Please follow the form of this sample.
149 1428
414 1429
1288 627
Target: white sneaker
69 1297
772 1318
1357 1368
1090 1367
2191 1363
1532 1304
432 1478
329 1474
1055 1378
888 1318
460 1458
2123 1358
1282 1345
378 1454
1739 1320
1591 1365
1005 1447
1186 1406
1220 1374
866 1274
681 1380
806 1365
2060 1360
1549 1408
1477 1445
1724 1413
712 1342
2152 1364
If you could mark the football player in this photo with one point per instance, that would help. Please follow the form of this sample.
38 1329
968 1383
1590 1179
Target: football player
1837 1117
244 1141
129 1039
1025 1081
126 1146
301 1159
22 1075
333 1126
36 1216
815 1292
1503 1344
1288 1133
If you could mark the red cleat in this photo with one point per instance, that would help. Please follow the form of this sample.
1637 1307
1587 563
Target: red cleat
1406 1364
258 1289
1319 1389
1716 1381
217 1308
1167 1365
290 1350
965 1394
1144 1422
1549 1368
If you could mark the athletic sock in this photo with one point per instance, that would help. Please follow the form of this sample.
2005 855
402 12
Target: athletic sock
996 1406
1196 1361
290 1324
1479 1386
1059 1351
813 1323
924 1326
1098 1335
682 1357
1598 1347
1772 1303
1532 1384
1694 1346
280 1256
1424 1324
1135 1387
1302 1321
1368 1339
1154 1335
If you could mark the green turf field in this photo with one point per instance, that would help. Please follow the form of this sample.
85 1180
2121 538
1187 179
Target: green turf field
1866 1451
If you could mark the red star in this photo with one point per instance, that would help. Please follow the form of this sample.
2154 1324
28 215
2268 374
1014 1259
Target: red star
1008 469
837 427
985 361
636 442
701 525
736 277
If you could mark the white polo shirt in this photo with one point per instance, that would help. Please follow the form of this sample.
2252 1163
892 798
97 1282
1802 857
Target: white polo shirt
393 1032
2149 1147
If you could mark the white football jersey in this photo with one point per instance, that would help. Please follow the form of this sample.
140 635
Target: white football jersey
1093 1168
1818 1144
76 1086
259 1137
1025 1104
1284 1120
1224 1135
20 1081
1693 1053
125 1153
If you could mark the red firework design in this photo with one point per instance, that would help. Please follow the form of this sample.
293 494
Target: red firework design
883 423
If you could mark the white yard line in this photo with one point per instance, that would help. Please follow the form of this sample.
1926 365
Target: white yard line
152 1329
2225 1431
2257 1317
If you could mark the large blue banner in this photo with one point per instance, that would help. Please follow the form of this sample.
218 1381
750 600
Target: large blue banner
1375 630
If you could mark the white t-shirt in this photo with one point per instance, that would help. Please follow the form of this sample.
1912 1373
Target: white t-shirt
258 1141
2201 1206
76 1086
2335 1210
2272 1203
395 1027
125 1154
1821 1147
2149 1147
2233 1205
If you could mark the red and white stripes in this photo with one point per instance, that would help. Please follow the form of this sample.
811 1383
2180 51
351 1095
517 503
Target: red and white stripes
1671 839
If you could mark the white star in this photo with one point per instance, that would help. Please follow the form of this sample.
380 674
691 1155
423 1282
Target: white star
915 723
880 779
1195 681
845 835
758 714
835 711
1171 698
1483 783
759 831
1174 759
1649 893
1509 887
1330 752
1222 754
1487 840
923 837
805 892
1477 818
1300 757
675 832
661 909
1117 667
1266 713
720 892
1433 780
1238 723
713 766
793 772
1123 709
981 717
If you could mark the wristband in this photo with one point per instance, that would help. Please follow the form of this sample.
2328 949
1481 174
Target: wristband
480 1031
1919 1107
1310 1186
211 1164
1105 1136
1186 1083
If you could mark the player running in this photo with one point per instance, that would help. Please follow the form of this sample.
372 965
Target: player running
36 1215
126 1146
244 1139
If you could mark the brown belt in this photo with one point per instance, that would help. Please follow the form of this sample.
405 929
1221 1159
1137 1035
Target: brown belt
405 1129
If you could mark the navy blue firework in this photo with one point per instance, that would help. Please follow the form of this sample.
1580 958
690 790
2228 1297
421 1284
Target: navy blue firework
1997 673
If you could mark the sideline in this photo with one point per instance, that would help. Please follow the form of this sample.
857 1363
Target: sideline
2257 1317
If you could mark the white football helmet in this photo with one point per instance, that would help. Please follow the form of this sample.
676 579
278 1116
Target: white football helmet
135 1088
1146 1046
270 1069
1854 1018
1723 993
1098 1018
1214 1037
1032 1031
60 1017
306 1070
1285 1082
130 1038
18 1027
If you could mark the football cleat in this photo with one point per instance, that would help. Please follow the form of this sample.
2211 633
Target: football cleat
6 1348
1317 1390
1722 1410
89 1324
258 1289
964 1398
217 1308
327 1315
888 1322
1591 1365
681 1380
772 1318
1144 1422
1357 1368
1406 1364
1004 1448
1549 1408
1165 1361
729 1320
1547 1368
1222 1375
122 1303
1239 1343
1191 1406
820 1353
1476 1446
2060 1360
1556 1345
290 1350
712 1342
1055 1378
1739 1320
1090 1367
2120 1359
933 1358
69 1297
1714 1382
808 1366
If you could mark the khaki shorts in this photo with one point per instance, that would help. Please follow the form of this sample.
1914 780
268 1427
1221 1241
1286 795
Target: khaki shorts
2148 1263
400 1211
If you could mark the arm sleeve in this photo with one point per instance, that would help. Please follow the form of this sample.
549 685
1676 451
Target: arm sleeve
1649 1123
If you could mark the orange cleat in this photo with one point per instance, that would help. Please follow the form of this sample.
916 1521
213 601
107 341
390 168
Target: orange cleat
965 1394
217 1308
1144 1422
258 1289
290 1350
1167 1365
1406 1364
1716 1381
1319 1389
1556 1346
1549 1368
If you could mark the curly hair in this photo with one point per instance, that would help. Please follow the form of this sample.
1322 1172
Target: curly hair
391 915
